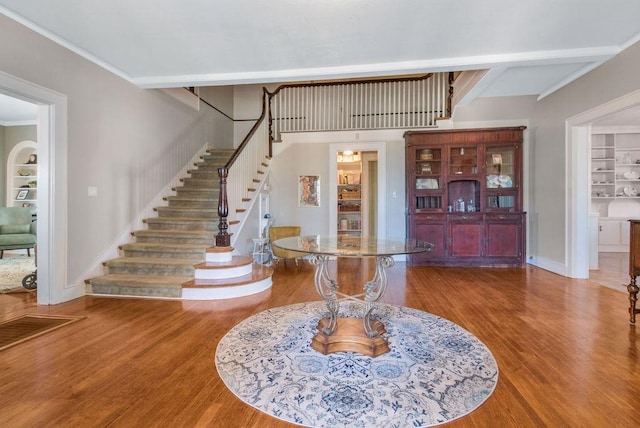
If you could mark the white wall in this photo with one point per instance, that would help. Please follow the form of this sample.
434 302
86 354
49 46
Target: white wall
222 98
125 141
286 167
309 154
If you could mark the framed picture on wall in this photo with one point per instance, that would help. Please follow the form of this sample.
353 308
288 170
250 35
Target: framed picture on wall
22 194
309 191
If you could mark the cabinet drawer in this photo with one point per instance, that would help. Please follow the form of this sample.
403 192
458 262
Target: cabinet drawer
502 217
465 217
431 217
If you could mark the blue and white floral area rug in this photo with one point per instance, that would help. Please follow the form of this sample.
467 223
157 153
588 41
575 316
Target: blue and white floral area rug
435 372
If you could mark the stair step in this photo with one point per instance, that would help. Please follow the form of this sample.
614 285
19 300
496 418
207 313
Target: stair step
187 212
152 266
192 201
258 273
201 183
209 166
222 155
200 192
182 223
164 250
238 260
139 285
204 237
204 174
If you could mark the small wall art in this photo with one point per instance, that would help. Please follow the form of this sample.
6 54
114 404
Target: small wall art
22 195
309 191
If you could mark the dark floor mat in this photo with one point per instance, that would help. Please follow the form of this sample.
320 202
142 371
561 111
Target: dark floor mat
18 330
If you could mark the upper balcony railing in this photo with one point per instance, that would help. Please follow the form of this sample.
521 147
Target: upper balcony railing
372 104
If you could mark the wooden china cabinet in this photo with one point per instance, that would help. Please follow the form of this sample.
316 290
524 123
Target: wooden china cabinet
464 194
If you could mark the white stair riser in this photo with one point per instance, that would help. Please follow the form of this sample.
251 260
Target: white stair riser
219 257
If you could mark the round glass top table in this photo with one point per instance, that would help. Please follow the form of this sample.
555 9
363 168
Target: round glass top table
336 334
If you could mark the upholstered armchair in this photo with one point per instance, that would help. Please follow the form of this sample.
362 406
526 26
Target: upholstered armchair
17 229
277 232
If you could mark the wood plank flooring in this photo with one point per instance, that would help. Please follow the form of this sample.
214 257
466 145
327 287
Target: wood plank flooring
613 271
567 355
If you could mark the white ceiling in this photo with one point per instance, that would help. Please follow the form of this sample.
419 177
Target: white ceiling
530 47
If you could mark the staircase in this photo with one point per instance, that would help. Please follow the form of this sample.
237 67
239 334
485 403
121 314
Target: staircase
178 243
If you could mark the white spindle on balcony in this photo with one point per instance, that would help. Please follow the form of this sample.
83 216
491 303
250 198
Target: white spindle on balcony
408 103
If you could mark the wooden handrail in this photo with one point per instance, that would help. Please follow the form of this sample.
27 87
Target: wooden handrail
349 82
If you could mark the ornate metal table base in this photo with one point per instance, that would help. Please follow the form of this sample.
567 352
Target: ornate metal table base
351 334
336 334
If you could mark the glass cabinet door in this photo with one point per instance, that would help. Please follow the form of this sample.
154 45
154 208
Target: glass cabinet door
463 161
501 178
428 173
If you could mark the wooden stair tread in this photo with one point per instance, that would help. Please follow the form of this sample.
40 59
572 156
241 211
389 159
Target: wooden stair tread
258 273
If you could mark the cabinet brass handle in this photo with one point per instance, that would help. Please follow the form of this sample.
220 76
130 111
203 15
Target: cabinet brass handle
502 217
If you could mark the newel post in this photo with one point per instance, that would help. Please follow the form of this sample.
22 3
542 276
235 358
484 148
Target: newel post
223 239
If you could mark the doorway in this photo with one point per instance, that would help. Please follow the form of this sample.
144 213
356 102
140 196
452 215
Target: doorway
578 234
52 182
373 173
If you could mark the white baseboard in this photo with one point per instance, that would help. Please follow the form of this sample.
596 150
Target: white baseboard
549 265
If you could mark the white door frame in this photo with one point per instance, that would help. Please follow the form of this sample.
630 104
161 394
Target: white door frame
578 135
52 187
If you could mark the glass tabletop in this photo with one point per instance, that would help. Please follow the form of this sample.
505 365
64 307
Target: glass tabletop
352 246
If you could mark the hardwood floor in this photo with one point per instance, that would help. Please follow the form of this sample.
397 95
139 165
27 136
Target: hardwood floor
613 271
565 349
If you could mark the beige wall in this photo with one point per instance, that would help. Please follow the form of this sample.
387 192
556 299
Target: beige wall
615 78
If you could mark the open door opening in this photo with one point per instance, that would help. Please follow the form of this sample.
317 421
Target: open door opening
358 177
